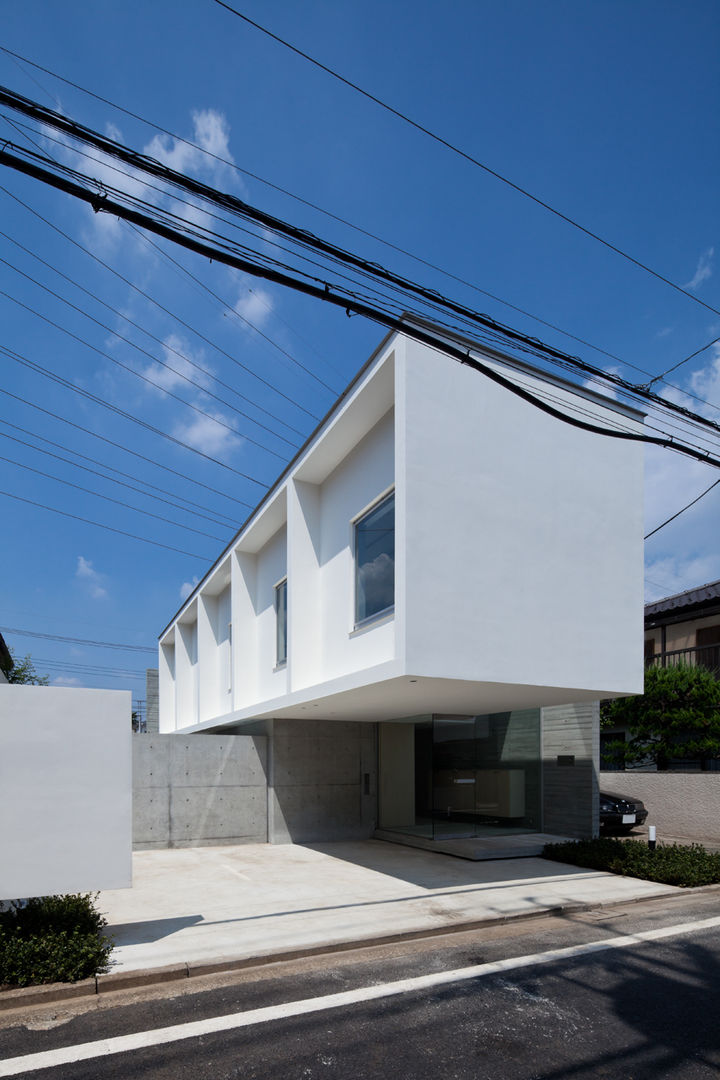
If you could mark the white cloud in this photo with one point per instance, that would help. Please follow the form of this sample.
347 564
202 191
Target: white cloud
182 366
65 680
187 587
704 270
211 133
86 573
208 433
255 305
664 332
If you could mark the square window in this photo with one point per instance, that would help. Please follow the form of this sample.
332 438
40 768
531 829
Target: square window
281 622
375 561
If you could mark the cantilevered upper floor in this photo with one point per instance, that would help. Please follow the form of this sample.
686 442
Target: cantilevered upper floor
437 545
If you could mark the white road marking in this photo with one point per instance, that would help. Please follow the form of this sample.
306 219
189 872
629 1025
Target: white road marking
140 1040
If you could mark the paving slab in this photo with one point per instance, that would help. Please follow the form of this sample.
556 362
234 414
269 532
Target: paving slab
195 905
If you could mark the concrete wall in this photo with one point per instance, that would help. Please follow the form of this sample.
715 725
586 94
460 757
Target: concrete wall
323 781
151 700
683 805
570 757
199 790
65 790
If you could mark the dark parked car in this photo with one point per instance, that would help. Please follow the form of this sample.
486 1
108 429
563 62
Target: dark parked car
620 813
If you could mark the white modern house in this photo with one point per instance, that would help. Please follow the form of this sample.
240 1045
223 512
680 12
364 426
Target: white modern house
423 611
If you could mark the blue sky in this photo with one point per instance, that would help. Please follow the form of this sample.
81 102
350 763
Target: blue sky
607 111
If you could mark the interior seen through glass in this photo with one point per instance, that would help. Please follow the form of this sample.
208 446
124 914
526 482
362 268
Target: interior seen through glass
446 776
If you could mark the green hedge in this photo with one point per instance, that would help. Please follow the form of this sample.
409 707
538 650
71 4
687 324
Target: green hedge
52 939
670 864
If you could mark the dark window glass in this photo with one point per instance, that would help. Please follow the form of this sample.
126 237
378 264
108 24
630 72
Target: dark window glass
375 561
281 622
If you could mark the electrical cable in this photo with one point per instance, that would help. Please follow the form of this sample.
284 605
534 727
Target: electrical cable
174 315
228 524
468 157
350 305
108 498
121 412
151 357
118 446
80 641
661 378
301 236
164 344
334 217
682 510
99 525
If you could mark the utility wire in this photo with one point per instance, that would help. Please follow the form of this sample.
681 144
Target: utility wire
467 157
174 315
349 304
151 357
277 273
99 525
108 498
228 524
102 438
79 641
682 510
335 217
661 378
116 409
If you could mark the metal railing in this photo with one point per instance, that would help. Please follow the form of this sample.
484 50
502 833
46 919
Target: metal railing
707 656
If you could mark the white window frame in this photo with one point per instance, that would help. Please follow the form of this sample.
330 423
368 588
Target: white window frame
280 662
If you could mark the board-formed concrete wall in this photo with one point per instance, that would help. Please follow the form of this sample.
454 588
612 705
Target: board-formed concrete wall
683 805
571 752
65 790
199 790
323 781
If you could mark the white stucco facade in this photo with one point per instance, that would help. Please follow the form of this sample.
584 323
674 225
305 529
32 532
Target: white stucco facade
65 790
518 560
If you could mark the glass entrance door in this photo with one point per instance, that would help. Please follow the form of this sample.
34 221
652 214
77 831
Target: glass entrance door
451 776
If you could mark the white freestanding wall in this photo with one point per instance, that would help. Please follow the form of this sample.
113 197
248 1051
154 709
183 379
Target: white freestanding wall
518 559
65 790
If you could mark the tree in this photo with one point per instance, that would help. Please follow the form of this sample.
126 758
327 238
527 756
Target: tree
678 717
23 671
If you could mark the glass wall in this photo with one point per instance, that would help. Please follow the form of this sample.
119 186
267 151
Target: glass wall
448 776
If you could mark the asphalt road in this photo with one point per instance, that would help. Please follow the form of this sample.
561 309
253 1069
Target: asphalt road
627 1009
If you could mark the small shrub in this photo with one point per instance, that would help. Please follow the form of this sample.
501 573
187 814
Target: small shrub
52 939
668 864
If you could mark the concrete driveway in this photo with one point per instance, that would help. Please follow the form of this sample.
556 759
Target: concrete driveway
196 906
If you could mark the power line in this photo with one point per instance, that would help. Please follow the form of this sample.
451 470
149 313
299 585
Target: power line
94 472
343 221
102 438
466 156
107 498
79 641
99 525
139 374
174 315
350 304
682 510
116 409
276 272
159 341
661 378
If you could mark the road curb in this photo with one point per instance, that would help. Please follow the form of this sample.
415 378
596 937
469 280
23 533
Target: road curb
49 993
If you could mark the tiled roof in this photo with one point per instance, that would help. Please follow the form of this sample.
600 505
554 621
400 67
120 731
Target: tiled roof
691 598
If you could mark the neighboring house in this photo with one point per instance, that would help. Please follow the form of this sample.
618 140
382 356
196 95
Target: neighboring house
404 616
680 629
685 628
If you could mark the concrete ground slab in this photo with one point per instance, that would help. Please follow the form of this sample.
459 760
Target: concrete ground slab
193 905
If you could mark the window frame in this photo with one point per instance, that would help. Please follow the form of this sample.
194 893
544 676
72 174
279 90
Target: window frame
278 588
386 612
